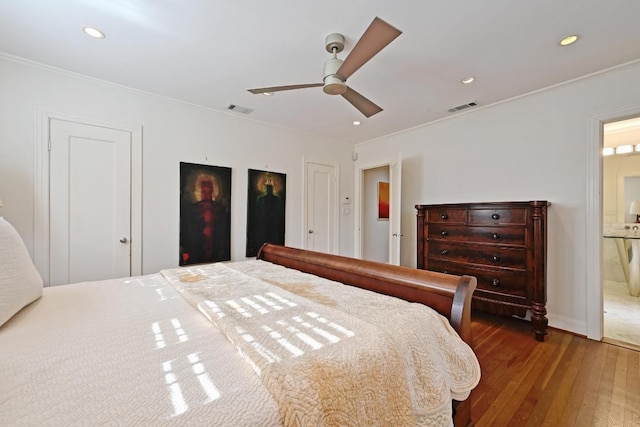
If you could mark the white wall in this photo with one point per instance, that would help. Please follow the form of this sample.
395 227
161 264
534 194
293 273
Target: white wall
172 132
375 232
530 148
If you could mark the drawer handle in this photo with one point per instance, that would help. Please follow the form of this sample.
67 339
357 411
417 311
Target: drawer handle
496 258
444 232
444 216
495 282
496 236
444 251
495 216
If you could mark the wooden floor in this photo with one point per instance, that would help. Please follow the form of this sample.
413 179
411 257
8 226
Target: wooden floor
566 381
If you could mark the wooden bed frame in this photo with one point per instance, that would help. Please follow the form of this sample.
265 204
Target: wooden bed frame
447 294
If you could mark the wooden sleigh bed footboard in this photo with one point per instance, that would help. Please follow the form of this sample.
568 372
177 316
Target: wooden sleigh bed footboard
447 294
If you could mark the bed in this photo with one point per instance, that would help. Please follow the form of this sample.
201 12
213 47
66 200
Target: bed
279 340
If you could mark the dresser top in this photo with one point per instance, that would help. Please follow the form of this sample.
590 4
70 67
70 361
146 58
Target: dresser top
488 205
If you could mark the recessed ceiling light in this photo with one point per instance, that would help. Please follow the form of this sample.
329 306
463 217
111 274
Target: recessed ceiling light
566 41
267 93
468 80
93 32
356 123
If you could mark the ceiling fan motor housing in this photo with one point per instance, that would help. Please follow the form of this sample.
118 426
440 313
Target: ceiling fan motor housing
333 85
334 41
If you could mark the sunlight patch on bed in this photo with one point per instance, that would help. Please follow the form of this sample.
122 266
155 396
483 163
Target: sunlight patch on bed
175 391
203 310
333 325
238 308
267 301
215 308
179 395
325 334
203 377
269 356
294 350
150 281
182 336
283 300
301 335
155 327
260 309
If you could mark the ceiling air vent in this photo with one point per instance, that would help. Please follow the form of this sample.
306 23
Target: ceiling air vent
462 107
239 109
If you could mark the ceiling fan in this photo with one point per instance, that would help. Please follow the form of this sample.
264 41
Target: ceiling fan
336 71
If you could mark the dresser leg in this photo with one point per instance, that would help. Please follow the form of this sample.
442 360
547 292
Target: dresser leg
539 320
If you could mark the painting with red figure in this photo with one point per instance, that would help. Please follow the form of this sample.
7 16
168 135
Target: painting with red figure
205 213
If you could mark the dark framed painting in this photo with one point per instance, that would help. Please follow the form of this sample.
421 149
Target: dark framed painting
383 201
205 213
267 193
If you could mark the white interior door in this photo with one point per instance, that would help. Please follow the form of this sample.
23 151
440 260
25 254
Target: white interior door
395 208
90 202
395 211
320 209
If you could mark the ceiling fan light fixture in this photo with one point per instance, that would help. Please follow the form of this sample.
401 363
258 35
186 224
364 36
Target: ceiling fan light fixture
267 93
334 86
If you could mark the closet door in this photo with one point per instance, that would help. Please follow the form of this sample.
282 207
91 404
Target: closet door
90 202
321 207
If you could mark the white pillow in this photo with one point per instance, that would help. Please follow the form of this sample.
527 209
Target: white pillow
20 282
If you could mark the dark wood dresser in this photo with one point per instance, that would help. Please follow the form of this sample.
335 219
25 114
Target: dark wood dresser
502 244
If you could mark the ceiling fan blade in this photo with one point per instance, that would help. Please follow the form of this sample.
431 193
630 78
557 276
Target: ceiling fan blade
261 90
365 106
375 38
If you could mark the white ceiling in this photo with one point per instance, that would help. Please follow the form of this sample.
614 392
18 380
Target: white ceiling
209 52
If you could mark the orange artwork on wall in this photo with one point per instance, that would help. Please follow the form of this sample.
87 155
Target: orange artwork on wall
383 200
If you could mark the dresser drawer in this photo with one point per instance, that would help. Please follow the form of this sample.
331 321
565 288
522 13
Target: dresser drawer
509 235
498 216
502 281
446 215
490 255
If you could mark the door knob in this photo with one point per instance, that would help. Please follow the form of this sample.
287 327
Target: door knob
310 231
123 240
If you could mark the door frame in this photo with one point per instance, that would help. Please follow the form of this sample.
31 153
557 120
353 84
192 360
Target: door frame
336 202
595 303
41 248
358 208
359 211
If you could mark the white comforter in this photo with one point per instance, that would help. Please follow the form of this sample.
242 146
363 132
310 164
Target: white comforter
124 352
133 352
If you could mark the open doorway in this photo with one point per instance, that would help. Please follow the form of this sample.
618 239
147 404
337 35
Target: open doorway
621 232
368 215
375 219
